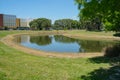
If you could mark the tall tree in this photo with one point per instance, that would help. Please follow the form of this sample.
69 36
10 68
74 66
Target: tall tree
41 23
97 11
67 24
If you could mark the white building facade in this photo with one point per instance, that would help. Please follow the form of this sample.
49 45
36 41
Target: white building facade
23 23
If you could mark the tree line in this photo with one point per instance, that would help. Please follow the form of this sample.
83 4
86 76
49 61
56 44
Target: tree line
61 24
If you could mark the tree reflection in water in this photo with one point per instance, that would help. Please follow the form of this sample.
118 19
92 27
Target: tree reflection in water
41 40
93 46
62 42
63 39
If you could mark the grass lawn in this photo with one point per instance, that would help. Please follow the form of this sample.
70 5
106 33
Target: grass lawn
17 65
83 32
92 35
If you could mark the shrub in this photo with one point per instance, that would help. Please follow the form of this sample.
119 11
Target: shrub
112 51
6 28
117 35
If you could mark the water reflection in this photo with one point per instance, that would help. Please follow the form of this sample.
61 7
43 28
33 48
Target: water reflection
93 46
63 39
25 39
41 40
59 43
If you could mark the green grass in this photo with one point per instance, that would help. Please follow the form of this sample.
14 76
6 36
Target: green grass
83 32
17 65
92 35
5 33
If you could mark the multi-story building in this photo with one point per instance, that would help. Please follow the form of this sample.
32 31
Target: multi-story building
11 21
1 20
23 23
7 21
17 22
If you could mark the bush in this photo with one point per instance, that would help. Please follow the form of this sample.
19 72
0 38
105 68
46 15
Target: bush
117 34
108 26
5 28
112 51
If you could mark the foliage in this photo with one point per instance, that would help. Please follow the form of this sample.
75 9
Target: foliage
40 23
112 51
104 10
66 24
6 28
116 34
33 24
108 26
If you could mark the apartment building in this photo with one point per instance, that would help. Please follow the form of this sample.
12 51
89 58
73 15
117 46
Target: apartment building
7 21
17 22
1 21
23 22
11 21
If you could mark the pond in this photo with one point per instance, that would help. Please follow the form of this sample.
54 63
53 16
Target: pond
59 43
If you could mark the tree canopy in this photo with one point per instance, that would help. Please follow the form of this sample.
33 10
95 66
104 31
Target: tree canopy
40 23
97 11
66 24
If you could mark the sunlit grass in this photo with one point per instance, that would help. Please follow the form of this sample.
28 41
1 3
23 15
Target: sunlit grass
84 32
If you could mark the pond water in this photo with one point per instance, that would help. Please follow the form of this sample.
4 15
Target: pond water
59 43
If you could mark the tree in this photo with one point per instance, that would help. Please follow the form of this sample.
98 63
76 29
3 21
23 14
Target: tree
75 24
33 24
40 23
100 11
66 24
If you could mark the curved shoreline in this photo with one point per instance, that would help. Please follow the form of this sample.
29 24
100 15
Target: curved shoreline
9 40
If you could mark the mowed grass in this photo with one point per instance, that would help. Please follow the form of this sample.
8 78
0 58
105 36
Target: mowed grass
83 32
92 35
17 65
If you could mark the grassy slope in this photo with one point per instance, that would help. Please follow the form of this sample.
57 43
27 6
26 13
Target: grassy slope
83 32
92 35
16 65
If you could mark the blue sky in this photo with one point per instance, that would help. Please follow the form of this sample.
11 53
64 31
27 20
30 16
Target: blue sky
52 9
